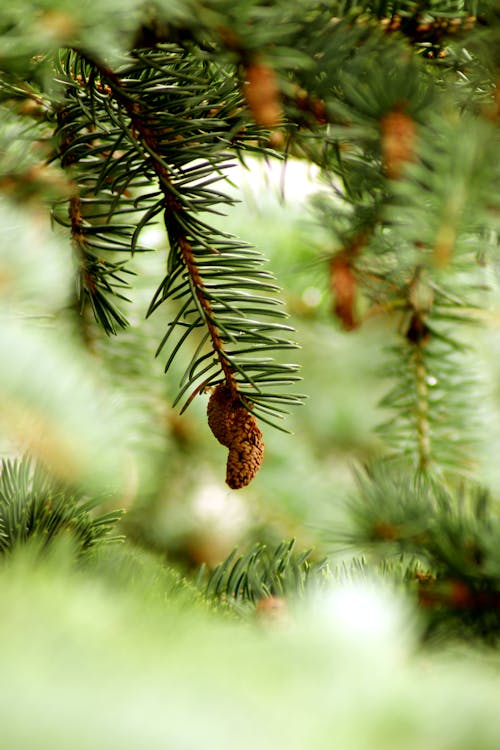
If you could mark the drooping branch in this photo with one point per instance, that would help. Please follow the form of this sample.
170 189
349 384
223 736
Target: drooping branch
217 279
175 213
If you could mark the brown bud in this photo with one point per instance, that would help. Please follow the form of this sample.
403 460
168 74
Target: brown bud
398 142
461 596
59 24
245 452
383 530
272 609
418 332
262 94
343 285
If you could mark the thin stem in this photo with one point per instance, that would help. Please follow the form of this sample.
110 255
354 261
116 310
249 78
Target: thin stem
422 410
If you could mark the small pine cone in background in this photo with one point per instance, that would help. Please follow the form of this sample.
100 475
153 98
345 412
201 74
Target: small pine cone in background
399 134
245 452
262 94
343 286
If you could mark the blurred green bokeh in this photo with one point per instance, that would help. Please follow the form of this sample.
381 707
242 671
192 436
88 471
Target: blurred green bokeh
120 656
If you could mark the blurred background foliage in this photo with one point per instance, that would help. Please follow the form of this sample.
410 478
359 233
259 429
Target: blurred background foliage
375 624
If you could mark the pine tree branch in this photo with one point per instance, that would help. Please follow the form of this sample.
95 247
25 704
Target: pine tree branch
142 135
262 573
34 507
448 539
176 216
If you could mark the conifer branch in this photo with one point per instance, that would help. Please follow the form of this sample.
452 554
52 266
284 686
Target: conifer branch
176 215
262 573
34 507
145 137
432 377
448 539
99 278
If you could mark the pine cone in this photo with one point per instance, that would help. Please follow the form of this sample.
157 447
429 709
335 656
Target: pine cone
236 428
245 452
220 412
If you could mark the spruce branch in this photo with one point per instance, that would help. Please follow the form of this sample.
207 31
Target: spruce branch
36 507
446 290
99 278
412 238
432 379
89 148
448 540
169 119
422 410
262 573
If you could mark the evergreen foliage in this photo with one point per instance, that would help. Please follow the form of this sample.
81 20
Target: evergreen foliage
449 541
262 573
123 125
140 143
407 146
35 507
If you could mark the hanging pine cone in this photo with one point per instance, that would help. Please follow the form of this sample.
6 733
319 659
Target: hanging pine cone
236 428
245 452
220 412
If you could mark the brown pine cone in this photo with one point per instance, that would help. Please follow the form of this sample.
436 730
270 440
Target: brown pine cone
236 428
245 452
220 412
